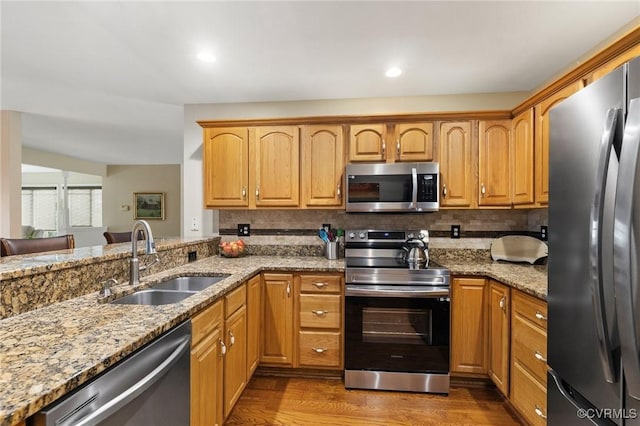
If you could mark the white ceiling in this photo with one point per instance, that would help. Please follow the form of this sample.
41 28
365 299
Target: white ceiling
107 81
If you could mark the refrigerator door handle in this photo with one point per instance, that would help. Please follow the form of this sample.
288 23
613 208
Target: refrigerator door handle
624 249
566 393
595 246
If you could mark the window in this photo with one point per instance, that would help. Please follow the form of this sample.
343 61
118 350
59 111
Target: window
40 207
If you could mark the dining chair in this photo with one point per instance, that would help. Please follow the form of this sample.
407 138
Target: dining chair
14 246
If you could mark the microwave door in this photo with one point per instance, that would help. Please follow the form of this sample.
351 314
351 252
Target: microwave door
369 193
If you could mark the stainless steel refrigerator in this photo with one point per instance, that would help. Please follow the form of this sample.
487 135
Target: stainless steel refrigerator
594 242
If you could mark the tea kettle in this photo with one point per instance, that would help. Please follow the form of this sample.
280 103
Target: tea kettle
416 251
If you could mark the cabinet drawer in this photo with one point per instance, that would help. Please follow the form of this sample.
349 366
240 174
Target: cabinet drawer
320 311
234 300
319 349
530 346
205 322
528 395
321 284
535 310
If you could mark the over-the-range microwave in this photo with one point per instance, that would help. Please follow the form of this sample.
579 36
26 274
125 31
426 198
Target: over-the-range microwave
392 187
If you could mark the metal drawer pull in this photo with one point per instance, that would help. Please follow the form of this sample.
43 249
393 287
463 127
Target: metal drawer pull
539 357
539 412
320 284
319 350
320 313
232 338
540 316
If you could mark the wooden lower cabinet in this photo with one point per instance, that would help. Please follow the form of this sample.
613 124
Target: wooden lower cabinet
277 320
469 326
319 302
207 367
499 327
529 357
254 319
235 360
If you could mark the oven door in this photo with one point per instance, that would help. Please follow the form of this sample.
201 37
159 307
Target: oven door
397 329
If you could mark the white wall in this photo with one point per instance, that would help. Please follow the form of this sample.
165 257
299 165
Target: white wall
192 180
121 182
10 163
62 162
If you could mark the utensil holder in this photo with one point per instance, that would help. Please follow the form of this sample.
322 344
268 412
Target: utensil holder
331 250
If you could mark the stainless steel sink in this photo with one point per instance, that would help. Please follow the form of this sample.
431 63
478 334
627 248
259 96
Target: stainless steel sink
189 283
154 297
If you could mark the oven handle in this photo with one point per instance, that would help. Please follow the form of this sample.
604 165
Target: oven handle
387 291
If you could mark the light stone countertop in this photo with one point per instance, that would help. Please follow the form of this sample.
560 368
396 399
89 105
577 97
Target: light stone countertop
50 351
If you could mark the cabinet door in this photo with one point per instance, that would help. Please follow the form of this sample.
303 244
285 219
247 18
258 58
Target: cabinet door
522 159
322 166
414 141
493 163
456 165
367 142
226 167
206 380
469 326
254 318
235 361
277 336
276 160
499 321
542 139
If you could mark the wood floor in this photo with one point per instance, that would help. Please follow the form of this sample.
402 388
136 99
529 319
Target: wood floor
315 402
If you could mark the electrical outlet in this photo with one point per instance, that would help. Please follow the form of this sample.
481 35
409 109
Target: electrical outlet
455 231
194 224
244 230
192 256
544 233
326 227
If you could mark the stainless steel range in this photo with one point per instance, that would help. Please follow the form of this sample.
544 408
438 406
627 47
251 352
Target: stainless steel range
396 317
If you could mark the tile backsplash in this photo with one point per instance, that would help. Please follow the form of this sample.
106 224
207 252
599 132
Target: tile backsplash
470 221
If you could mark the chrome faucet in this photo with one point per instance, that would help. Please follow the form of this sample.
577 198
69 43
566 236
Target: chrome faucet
150 248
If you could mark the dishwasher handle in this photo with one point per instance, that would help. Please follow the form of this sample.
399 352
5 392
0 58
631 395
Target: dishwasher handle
138 388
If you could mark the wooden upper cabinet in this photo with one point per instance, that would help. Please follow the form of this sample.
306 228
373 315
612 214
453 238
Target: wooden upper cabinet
615 63
226 167
367 142
493 163
276 156
522 159
322 166
456 165
542 139
414 141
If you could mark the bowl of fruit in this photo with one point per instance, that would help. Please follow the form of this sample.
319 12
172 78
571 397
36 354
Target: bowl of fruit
232 248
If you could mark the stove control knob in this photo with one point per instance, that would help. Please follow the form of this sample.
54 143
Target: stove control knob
352 235
361 235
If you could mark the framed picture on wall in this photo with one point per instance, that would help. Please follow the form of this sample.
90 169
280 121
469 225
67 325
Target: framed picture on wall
148 205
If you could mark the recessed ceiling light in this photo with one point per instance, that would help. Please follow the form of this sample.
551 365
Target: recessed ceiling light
393 72
207 57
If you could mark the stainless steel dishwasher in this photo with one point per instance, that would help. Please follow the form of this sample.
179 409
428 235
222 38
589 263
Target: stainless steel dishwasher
150 387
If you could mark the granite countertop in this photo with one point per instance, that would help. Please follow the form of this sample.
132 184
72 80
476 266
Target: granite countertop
48 352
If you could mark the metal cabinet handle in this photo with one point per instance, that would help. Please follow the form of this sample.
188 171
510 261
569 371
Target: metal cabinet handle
339 191
398 147
539 412
503 303
539 356
320 284
232 338
444 190
320 312
384 147
540 316
244 192
288 289
257 192
223 348
483 190
319 350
